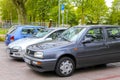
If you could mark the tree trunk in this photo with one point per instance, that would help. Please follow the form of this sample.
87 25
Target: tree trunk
23 13
19 17
20 6
82 17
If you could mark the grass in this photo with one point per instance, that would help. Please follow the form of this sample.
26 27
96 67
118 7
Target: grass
3 31
2 38
2 34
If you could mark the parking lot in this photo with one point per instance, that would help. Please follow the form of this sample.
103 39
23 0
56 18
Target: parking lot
17 70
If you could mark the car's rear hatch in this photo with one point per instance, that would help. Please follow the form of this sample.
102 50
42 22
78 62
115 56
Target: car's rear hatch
9 35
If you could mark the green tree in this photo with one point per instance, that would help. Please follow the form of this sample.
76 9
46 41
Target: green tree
83 6
40 9
69 13
21 10
97 11
8 11
91 10
115 13
31 10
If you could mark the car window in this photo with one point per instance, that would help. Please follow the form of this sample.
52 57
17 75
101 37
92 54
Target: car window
72 34
28 31
39 29
12 29
56 34
95 33
43 32
113 33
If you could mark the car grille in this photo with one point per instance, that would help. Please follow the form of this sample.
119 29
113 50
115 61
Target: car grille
30 53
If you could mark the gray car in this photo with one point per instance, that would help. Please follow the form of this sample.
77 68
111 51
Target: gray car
79 46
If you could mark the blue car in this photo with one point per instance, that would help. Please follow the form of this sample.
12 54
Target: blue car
21 31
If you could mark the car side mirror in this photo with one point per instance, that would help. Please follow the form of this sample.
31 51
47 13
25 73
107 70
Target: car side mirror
48 39
88 40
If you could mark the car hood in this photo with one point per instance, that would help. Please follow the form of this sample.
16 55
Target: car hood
48 45
25 42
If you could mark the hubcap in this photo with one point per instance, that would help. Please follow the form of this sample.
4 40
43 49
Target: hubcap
66 67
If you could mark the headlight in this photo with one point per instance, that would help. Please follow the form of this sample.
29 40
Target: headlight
17 48
38 54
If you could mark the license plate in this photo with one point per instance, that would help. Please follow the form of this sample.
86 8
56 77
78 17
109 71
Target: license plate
27 61
17 54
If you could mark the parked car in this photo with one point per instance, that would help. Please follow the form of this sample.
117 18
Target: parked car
18 48
20 31
79 46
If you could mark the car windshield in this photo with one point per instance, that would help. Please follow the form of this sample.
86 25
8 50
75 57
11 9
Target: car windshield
43 32
71 34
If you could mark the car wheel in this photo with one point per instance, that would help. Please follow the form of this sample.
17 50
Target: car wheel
65 67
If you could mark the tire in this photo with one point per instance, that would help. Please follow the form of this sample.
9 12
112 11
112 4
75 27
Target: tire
102 65
65 67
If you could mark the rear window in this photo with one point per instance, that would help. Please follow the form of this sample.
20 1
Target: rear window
12 29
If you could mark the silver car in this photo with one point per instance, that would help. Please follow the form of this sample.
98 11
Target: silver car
18 48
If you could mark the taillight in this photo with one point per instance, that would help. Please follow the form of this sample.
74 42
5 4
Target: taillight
12 38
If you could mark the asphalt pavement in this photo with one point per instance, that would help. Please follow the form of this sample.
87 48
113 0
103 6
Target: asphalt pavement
11 69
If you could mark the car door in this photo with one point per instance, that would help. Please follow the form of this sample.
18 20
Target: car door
113 40
92 53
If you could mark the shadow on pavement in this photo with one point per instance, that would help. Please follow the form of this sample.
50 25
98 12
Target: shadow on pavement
77 71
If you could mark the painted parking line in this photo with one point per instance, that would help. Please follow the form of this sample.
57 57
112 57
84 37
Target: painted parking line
110 77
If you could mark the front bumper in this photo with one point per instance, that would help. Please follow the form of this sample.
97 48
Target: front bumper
45 64
15 54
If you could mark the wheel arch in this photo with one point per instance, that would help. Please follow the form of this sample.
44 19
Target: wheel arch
67 55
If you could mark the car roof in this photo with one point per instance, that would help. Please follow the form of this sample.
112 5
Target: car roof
97 26
27 26
57 28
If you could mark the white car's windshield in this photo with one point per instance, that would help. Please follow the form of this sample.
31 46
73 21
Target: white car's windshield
43 32
72 33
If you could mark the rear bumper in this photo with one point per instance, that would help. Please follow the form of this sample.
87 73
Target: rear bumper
46 64
7 42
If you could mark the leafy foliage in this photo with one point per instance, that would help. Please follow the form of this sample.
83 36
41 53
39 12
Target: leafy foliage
21 10
91 11
115 13
86 12
8 11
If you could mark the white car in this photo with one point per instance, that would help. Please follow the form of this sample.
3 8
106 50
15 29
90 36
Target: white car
17 49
